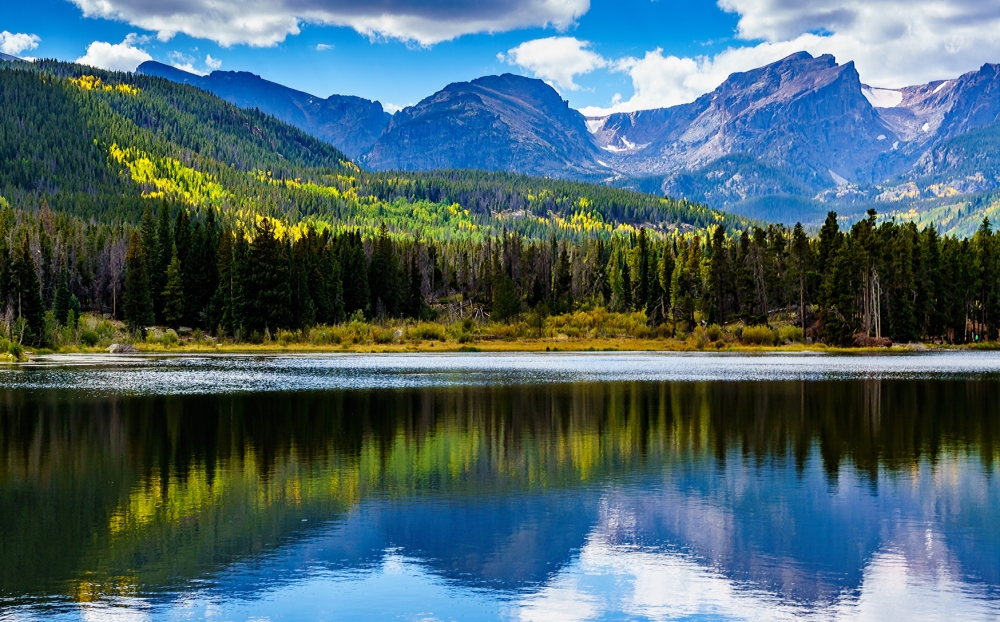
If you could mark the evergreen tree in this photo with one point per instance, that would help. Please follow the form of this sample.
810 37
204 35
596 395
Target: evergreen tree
221 307
268 288
164 246
626 284
137 300
800 268
415 298
354 274
383 276
173 291
642 290
665 272
300 268
719 277
60 302
27 293
564 283
150 248
506 300
75 308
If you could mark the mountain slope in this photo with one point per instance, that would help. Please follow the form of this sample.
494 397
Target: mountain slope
495 123
805 116
352 124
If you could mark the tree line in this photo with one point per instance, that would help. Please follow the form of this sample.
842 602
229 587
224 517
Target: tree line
874 282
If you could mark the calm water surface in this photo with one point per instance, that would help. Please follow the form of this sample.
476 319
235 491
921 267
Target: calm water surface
510 487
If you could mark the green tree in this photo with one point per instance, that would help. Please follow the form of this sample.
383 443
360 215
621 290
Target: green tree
383 276
60 302
268 288
158 269
173 291
27 293
506 300
137 300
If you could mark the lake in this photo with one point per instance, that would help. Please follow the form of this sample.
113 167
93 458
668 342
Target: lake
501 487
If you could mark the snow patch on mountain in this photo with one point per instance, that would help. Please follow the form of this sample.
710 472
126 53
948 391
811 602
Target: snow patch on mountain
882 98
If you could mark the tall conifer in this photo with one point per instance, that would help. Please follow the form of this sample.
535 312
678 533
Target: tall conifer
137 300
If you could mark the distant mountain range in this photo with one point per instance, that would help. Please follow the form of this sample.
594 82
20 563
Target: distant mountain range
786 141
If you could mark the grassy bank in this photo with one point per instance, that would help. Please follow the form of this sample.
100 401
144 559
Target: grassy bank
594 330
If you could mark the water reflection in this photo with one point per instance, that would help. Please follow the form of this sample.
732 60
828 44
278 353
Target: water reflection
835 499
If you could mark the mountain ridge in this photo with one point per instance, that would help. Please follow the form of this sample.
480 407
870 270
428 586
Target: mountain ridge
803 126
352 124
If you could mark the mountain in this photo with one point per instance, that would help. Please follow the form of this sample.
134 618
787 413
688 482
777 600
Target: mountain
103 146
804 116
9 58
795 138
351 124
494 123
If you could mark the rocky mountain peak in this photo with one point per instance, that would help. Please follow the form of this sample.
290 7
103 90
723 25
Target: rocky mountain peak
506 122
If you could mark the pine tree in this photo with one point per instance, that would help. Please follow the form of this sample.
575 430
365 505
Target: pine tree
60 302
164 247
354 274
383 276
506 300
415 297
137 300
150 248
27 293
268 288
719 276
173 291
642 285
800 268
665 273
564 282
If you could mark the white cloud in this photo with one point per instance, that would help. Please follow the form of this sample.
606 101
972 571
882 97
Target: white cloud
212 63
323 47
268 22
557 60
15 43
393 108
180 60
122 56
894 43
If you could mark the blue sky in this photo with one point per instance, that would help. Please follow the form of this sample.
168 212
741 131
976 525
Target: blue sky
600 55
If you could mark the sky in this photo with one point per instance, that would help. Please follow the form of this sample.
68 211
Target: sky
601 55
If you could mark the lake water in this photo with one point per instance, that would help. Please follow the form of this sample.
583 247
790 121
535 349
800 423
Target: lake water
501 487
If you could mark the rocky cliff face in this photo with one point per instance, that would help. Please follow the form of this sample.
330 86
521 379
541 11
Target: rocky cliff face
351 124
496 123
805 116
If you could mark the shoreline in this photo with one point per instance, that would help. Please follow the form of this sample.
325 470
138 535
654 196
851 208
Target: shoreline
502 347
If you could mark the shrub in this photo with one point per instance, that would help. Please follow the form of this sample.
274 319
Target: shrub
383 335
285 337
170 338
790 334
714 332
89 338
16 350
465 338
426 332
757 335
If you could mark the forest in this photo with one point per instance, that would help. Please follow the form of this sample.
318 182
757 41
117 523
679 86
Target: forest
876 283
